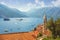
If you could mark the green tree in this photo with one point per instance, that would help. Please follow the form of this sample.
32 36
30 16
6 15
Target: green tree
52 27
57 22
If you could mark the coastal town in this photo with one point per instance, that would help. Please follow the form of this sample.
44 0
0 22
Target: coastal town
29 19
31 35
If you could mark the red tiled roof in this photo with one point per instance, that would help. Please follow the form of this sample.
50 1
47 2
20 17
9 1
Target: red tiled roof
24 35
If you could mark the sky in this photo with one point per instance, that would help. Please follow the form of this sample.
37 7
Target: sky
26 5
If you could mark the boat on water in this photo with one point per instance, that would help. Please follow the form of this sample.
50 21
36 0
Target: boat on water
6 19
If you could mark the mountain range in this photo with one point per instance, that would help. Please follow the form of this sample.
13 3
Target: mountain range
5 11
49 11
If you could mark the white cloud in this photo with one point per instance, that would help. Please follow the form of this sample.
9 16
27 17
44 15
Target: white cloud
30 6
42 4
3 3
24 9
6 4
36 1
27 7
56 3
37 4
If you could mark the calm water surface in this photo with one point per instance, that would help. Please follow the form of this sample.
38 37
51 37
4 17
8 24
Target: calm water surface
19 24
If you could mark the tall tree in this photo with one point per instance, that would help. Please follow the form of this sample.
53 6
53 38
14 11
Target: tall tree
52 27
57 22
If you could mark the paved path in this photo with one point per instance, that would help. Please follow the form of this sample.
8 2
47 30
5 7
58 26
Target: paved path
41 38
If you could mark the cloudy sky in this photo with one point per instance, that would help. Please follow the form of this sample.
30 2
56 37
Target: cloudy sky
26 5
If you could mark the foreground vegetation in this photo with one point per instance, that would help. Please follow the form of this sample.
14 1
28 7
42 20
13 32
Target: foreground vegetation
54 26
51 39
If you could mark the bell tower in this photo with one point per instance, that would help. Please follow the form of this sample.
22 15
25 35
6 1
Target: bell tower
45 21
44 24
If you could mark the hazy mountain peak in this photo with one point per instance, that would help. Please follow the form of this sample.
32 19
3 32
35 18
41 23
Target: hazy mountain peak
10 12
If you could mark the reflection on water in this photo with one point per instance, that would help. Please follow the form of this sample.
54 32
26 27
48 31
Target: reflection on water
18 24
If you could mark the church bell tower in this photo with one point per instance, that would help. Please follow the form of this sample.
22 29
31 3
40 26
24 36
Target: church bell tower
44 24
45 21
